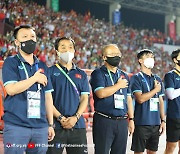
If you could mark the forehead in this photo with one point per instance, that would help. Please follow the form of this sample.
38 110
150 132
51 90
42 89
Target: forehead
112 49
65 42
147 55
25 31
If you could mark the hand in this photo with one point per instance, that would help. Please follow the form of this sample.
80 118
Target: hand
51 133
157 85
131 127
63 121
162 128
123 83
70 122
40 78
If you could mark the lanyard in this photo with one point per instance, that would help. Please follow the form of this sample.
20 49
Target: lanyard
111 76
175 70
25 70
70 80
145 80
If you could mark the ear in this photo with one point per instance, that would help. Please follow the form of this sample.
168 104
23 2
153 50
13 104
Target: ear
58 53
17 43
175 60
104 57
140 61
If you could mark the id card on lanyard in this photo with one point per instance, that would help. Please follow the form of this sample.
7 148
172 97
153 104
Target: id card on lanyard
33 99
70 80
118 99
153 101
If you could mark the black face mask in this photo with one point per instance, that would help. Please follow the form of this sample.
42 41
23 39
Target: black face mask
113 61
28 46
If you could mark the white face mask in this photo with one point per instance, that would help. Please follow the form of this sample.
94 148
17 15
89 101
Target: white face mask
66 56
149 62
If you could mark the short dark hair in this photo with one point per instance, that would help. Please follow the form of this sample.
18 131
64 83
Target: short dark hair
20 27
144 52
175 54
63 38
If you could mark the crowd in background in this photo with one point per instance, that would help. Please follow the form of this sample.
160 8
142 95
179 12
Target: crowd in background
90 35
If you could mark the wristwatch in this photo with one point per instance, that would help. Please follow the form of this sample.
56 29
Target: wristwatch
77 115
60 118
163 121
52 125
131 119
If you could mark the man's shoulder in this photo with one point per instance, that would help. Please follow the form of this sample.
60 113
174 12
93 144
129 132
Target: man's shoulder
52 67
136 75
98 70
11 61
169 73
96 73
157 76
124 73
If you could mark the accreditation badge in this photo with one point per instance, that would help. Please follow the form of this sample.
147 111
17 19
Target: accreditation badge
154 104
118 101
33 104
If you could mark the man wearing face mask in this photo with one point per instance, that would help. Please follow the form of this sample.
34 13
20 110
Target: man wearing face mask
172 89
70 97
28 103
113 104
149 106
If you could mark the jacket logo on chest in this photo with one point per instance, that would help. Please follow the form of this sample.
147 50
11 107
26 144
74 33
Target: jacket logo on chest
57 74
78 76
20 67
178 79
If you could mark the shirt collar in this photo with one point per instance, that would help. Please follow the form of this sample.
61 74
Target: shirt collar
146 75
64 68
36 60
104 68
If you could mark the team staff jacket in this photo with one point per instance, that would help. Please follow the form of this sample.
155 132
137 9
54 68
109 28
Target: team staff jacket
100 78
172 81
15 107
142 114
65 97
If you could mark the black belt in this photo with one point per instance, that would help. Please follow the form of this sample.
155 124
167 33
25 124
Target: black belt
111 117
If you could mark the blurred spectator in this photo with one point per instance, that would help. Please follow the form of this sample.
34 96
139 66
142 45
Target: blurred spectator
89 34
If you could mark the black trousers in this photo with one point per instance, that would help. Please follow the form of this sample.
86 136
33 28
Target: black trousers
109 136
74 140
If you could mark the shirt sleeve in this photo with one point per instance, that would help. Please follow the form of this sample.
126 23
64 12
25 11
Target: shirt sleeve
135 84
48 87
168 81
97 82
10 71
85 85
129 86
161 93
